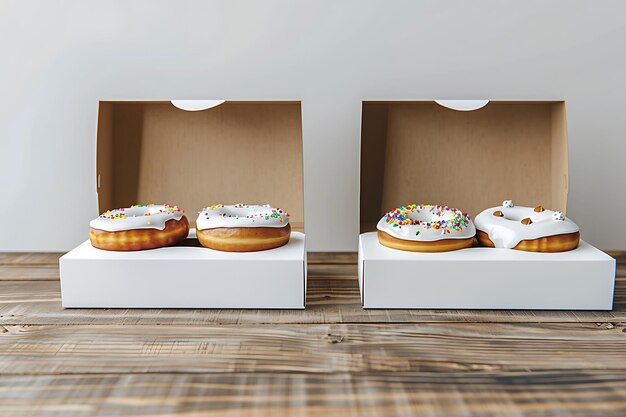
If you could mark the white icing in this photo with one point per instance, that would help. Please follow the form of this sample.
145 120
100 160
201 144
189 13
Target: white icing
423 218
507 203
508 231
241 215
152 216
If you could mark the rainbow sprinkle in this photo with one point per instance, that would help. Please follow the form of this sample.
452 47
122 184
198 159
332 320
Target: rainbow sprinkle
400 216
276 213
118 215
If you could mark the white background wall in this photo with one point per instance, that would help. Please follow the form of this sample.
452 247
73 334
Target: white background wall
57 58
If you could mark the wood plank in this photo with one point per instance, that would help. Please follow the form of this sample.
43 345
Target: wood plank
334 258
449 347
29 272
29 266
333 270
328 301
572 394
182 362
30 258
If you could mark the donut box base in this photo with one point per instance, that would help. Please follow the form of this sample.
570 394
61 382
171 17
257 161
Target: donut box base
185 277
485 278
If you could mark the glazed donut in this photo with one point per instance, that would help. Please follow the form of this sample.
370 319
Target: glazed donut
426 228
242 228
526 228
139 227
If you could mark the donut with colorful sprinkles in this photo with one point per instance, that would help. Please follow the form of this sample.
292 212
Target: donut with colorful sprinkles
242 227
139 227
426 228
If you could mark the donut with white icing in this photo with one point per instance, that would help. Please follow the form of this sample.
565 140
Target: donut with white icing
242 227
139 227
532 229
426 228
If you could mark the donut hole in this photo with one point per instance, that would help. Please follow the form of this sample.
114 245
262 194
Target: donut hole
425 216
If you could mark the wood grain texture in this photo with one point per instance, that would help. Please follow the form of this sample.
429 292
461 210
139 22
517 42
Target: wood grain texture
29 273
29 266
330 299
27 258
332 258
449 347
510 394
334 358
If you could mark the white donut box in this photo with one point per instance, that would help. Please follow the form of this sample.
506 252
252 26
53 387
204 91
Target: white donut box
422 152
153 152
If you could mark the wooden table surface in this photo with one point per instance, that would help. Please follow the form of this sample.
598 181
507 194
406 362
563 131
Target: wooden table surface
334 358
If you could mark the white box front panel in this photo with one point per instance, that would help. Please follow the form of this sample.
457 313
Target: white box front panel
485 278
185 277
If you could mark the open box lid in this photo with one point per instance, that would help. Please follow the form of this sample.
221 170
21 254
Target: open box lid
423 152
237 152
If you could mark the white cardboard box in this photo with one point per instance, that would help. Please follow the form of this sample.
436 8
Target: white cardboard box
425 153
485 278
154 152
185 277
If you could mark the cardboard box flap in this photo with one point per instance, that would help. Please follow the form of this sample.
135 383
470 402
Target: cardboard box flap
238 152
421 152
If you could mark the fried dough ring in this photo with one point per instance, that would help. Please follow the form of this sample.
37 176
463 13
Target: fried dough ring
548 244
244 239
139 239
443 245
